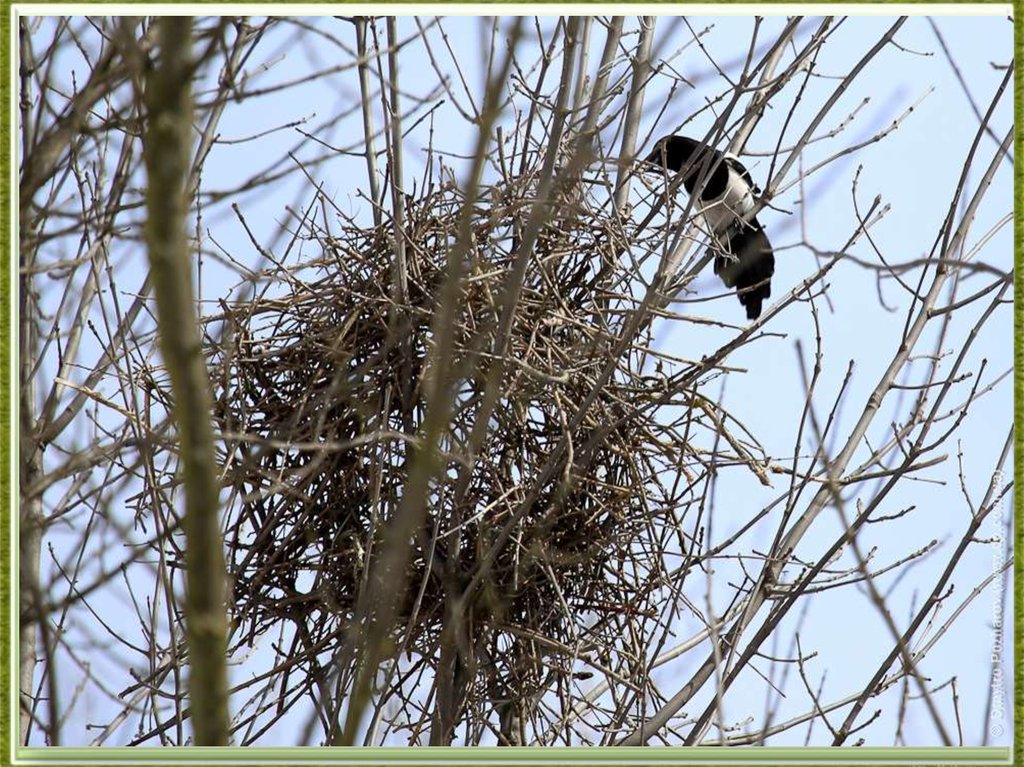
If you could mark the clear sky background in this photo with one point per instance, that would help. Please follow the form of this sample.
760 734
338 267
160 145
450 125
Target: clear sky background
914 170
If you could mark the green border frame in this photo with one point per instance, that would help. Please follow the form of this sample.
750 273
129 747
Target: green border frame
521 755
7 440
10 753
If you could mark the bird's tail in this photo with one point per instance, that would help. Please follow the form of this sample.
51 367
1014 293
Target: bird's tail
745 261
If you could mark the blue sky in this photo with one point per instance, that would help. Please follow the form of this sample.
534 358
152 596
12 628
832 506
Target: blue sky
914 169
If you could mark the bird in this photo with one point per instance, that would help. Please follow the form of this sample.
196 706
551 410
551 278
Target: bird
743 255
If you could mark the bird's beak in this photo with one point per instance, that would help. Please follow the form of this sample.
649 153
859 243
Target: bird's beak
655 161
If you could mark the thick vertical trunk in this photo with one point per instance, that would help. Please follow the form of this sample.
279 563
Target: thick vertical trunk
30 531
30 522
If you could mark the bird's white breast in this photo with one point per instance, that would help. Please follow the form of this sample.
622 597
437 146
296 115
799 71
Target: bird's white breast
737 200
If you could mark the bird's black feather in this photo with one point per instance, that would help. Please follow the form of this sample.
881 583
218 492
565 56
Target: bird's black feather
743 255
745 261
676 153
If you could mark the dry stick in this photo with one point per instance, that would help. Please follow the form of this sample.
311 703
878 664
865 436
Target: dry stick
604 71
940 585
48 429
96 253
772 187
379 603
683 240
634 109
458 69
455 670
368 127
640 735
691 376
166 148
443 78
770 573
45 432
284 85
39 163
834 483
857 475
401 285
398 318
208 135
33 521
724 351
766 88
457 659
963 85
27 65
947 254
510 295
798 589
884 683
539 213
581 64
635 322
955 245
874 401
30 527
756 737
535 96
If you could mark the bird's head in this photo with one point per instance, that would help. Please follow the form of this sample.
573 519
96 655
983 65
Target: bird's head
673 153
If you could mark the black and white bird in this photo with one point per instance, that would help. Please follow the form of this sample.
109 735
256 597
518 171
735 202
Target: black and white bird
743 256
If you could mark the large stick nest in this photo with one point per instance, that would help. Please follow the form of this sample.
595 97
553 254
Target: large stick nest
321 392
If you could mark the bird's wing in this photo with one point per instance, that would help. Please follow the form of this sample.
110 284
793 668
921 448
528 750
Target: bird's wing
747 263
733 162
